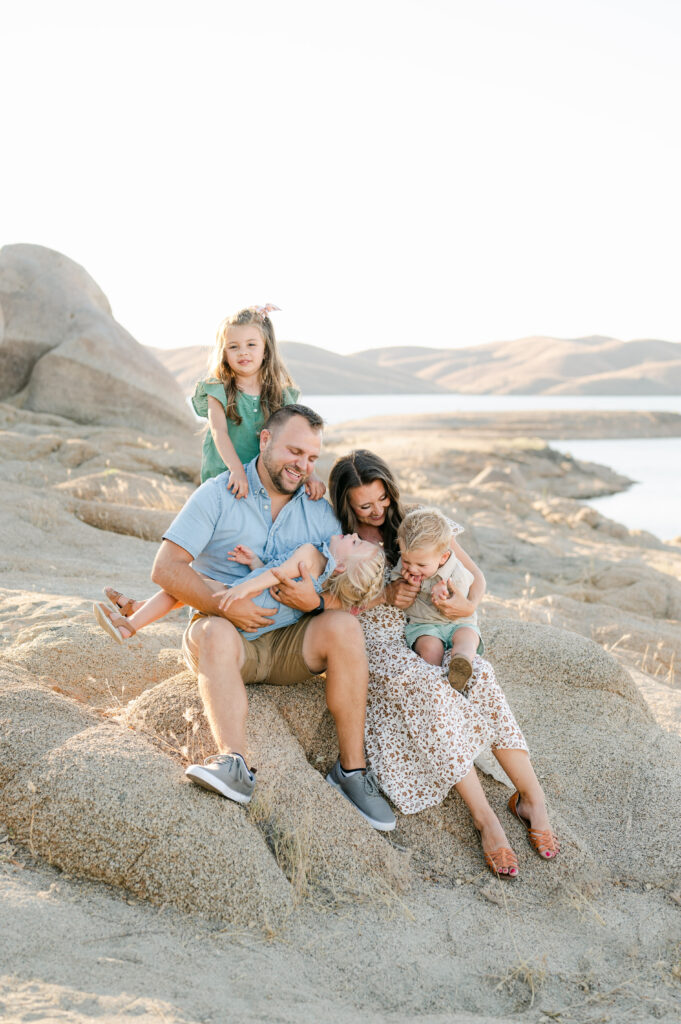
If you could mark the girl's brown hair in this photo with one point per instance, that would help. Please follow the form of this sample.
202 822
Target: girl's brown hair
354 470
274 376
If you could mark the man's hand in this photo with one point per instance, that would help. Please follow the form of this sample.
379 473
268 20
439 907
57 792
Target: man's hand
298 594
246 615
400 594
454 605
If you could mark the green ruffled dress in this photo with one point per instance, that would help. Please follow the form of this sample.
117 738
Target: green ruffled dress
244 435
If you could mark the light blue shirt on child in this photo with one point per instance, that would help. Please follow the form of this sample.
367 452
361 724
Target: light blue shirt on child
213 521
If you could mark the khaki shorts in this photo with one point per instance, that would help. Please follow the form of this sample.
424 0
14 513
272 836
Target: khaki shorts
275 657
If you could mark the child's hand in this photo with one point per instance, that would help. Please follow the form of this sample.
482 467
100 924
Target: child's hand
314 488
249 588
453 605
238 483
242 555
413 578
439 591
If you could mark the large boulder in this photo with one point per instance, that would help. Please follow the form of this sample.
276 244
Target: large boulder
63 353
100 801
323 845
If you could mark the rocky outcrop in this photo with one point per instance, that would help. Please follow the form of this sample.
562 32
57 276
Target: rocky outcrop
99 801
63 353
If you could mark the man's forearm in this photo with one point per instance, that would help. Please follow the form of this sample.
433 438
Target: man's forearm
180 580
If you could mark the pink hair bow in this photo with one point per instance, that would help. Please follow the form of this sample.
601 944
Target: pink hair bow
263 311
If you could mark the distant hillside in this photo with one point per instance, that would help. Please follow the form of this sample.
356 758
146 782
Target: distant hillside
538 365
315 370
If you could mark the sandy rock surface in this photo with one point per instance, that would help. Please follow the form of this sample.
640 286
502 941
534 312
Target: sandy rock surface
62 351
178 905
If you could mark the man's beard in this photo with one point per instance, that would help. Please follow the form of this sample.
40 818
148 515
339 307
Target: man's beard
277 476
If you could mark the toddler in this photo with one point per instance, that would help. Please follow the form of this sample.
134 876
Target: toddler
426 559
349 568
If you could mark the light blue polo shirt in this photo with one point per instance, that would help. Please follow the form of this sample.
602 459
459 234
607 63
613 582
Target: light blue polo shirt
213 521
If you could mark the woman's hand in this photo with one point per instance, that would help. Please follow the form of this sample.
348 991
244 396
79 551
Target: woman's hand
454 605
299 594
238 483
314 488
400 593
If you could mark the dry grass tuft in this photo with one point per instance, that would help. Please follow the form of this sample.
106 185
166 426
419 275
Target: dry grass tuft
291 848
525 980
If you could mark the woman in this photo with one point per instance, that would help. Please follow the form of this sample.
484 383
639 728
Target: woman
422 736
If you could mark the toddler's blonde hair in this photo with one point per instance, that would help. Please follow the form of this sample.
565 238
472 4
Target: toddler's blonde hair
425 528
274 376
359 582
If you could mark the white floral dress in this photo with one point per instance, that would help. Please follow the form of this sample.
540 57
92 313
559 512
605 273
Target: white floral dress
422 736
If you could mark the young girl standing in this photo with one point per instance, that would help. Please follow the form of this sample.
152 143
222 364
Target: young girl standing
248 382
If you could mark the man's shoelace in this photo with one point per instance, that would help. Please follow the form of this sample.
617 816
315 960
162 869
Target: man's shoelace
226 759
220 759
370 784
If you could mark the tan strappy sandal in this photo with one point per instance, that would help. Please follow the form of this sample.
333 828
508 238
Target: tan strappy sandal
542 840
503 857
122 604
112 623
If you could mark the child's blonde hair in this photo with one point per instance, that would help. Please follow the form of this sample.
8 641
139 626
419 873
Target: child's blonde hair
359 582
274 376
424 528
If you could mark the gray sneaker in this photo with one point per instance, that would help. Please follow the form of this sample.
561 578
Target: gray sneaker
226 774
361 789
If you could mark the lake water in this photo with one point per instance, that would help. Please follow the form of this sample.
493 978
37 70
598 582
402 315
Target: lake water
337 408
653 503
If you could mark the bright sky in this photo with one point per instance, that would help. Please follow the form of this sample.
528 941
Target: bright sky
431 172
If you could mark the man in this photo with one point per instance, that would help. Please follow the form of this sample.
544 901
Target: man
274 518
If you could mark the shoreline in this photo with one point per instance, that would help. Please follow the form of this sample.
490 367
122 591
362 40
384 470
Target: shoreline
580 424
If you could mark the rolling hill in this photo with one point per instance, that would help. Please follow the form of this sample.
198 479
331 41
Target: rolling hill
536 365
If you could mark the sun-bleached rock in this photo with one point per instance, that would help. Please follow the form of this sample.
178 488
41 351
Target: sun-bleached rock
319 839
103 803
608 769
508 475
145 523
62 344
122 487
75 655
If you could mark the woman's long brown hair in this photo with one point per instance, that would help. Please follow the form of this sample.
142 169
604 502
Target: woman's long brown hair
355 470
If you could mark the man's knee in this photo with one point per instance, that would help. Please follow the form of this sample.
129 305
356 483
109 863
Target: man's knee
340 631
217 637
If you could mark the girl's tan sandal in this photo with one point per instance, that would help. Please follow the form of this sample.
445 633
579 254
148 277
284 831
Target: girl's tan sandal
542 840
112 623
125 605
501 858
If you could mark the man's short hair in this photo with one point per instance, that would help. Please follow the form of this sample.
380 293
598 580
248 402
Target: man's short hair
277 420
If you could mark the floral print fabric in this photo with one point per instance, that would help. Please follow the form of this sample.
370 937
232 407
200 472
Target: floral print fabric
422 736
